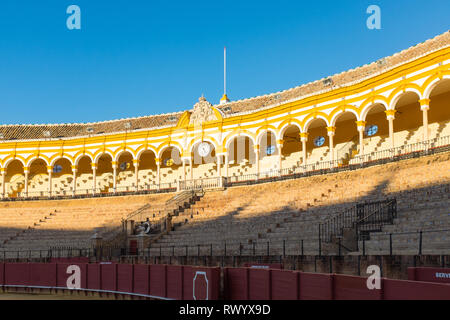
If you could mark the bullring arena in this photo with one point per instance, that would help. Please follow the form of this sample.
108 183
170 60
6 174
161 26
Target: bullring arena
311 185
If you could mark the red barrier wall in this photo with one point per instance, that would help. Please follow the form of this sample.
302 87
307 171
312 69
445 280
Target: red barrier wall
185 282
125 277
158 280
17 274
199 283
43 274
108 273
264 265
175 282
439 275
94 276
353 288
259 287
141 279
2 273
284 285
315 286
62 274
415 290
236 283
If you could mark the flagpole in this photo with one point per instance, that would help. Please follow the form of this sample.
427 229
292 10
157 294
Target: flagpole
224 70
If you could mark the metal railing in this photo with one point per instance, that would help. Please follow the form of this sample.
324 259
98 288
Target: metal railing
418 242
364 218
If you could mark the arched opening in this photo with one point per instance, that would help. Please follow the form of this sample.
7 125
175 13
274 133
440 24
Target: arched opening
84 175
291 152
14 178
125 180
62 177
346 138
268 152
376 135
147 169
204 160
37 178
439 112
104 175
241 157
408 120
171 166
317 146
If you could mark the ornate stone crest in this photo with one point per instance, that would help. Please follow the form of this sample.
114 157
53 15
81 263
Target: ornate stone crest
202 112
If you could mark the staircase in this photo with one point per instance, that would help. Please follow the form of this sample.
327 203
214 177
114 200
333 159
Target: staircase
347 228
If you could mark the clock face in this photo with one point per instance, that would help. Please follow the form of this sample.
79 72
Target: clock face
204 149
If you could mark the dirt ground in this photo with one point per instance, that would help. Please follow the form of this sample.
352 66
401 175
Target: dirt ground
45 296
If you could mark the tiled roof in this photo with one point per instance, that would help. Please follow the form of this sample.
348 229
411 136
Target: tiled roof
25 132
337 81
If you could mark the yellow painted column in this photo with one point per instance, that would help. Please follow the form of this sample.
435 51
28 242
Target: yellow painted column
94 177
425 106
256 148
50 171
226 164
361 128
158 172
3 181
114 166
304 139
390 114
74 180
280 148
331 131
136 172
25 171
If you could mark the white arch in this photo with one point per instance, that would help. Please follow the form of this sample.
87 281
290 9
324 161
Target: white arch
77 159
34 159
433 84
287 125
59 158
191 150
258 138
310 120
124 151
367 108
6 164
238 135
340 112
102 153
399 95
139 154
160 153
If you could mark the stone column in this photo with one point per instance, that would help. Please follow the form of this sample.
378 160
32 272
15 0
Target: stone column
49 170
425 106
361 128
74 180
331 131
94 176
304 139
390 114
191 167
219 170
25 171
136 172
114 166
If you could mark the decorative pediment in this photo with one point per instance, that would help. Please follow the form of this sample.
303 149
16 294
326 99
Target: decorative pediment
202 112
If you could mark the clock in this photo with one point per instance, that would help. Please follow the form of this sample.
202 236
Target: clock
204 149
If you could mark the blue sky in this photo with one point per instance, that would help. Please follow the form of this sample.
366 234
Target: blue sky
134 58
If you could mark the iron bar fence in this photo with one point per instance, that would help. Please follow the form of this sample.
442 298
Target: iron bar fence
418 242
